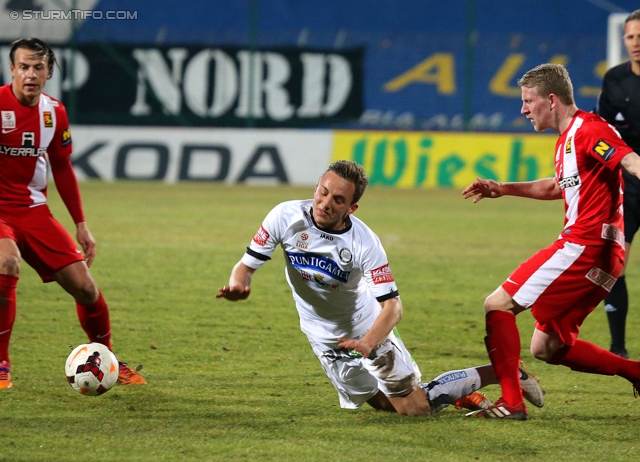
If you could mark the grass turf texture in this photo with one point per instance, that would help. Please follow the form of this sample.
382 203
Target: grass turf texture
238 381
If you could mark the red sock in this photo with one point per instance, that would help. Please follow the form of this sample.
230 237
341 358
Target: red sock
587 357
8 286
94 319
503 346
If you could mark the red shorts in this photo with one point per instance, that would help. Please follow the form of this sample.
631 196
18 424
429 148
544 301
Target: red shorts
565 282
43 242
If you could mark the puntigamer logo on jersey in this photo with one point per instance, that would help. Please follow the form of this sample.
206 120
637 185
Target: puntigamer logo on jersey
313 262
603 149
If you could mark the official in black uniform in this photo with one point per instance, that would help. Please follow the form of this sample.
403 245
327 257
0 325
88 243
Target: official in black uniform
619 104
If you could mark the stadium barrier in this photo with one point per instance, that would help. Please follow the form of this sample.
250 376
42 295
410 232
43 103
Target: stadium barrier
299 157
436 160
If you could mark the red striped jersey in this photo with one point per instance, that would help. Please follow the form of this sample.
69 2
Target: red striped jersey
587 164
28 135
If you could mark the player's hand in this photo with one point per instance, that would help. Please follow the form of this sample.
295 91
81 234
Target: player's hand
233 293
361 346
481 189
87 242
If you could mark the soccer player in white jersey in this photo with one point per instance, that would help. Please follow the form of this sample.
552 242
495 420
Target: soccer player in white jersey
564 282
349 304
35 128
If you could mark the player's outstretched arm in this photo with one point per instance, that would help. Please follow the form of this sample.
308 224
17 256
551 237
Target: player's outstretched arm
544 189
480 189
239 283
389 317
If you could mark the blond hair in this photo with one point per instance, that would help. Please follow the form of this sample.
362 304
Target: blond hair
547 79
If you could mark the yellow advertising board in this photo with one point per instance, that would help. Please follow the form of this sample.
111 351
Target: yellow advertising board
436 160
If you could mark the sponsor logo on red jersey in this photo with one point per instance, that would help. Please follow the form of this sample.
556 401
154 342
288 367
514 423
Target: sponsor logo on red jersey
8 120
66 137
261 237
22 152
603 149
567 147
48 119
382 274
601 278
569 182
612 233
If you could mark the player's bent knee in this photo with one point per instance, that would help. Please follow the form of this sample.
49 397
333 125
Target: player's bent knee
414 412
413 404
491 304
545 345
10 265
500 300
381 403
86 294
542 353
413 409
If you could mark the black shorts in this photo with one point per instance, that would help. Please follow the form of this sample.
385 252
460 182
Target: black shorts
631 205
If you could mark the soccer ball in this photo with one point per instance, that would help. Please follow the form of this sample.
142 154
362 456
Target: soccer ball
92 369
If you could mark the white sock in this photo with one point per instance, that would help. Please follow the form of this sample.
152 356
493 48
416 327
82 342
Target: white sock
447 388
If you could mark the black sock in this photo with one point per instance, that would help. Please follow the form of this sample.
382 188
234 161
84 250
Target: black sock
616 306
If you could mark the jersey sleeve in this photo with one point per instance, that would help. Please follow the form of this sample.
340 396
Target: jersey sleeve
377 271
67 185
602 142
265 240
60 145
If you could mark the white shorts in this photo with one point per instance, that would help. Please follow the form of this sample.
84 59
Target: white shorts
389 368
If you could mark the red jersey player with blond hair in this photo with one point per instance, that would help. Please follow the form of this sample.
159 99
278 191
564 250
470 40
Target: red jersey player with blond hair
35 128
564 282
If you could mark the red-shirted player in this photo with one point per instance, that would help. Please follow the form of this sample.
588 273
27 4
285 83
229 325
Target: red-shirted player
564 282
35 127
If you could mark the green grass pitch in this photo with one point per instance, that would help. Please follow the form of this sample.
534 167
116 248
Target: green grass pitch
238 381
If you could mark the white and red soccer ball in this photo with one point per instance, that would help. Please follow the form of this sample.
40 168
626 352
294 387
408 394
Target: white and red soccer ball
92 369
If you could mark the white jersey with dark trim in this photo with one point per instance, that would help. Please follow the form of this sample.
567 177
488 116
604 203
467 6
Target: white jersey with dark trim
337 277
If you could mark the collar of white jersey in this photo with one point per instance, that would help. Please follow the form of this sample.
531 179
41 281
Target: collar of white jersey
347 227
